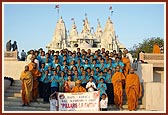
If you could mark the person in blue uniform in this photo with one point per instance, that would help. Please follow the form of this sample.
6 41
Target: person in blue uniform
102 87
46 87
84 78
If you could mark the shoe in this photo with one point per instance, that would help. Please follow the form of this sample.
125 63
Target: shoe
35 101
28 105
120 108
44 102
24 105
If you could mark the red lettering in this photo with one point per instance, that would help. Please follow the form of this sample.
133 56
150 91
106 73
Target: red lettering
69 105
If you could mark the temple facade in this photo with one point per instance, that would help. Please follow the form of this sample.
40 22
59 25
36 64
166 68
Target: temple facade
87 38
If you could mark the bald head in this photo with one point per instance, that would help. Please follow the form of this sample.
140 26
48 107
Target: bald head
26 68
132 71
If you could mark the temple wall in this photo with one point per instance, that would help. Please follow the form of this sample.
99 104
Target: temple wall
152 76
13 69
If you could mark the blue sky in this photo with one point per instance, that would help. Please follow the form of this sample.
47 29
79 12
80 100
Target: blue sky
33 25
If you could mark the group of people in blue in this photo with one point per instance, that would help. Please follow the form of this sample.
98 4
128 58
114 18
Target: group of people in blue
64 65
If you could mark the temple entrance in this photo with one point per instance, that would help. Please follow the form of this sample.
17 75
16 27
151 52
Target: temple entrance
76 45
94 46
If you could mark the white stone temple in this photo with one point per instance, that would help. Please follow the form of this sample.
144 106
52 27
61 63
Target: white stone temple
87 38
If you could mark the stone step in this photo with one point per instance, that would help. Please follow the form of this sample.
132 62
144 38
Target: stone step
13 99
125 107
32 104
20 108
17 81
31 108
125 101
15 87
41 100
8 94
13 91
19 99
17 84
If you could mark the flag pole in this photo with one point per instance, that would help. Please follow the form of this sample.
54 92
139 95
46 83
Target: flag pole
111 10
57 8
111 13
58 12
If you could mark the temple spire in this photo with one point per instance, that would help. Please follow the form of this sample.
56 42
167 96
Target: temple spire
98 32
73 31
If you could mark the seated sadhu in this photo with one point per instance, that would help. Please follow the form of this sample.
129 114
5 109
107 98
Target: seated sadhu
156 48
78 87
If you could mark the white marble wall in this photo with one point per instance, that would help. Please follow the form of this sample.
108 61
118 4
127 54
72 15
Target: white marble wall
13 69
154 96
145 72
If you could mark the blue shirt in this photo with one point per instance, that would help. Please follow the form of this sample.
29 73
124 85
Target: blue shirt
63 66
84 79
43 74
101 66
39 58
75 78
43 59
95 79
48 64
50 73
46 79
70 67
62 80
53 82
78 66
99 77
79 72
54 65
108 78
51 57
118 63
102 87
42 77
93 66
110 66
96 73
86 66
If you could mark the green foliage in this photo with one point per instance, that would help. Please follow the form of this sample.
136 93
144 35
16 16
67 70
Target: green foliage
146 46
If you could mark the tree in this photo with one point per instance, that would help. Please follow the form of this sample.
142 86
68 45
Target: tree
146 46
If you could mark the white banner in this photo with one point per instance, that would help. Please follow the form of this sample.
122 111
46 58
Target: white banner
85 101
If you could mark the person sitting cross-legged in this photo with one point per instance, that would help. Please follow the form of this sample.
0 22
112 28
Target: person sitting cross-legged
78 87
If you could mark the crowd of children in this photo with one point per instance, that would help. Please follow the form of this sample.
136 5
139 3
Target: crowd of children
94 70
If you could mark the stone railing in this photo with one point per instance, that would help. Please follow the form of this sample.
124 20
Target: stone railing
156 59
10 55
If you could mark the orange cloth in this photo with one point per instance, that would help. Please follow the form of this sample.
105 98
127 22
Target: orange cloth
156 49
27 85
127 65
78 89
31 65
117 79
133 90
36 74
